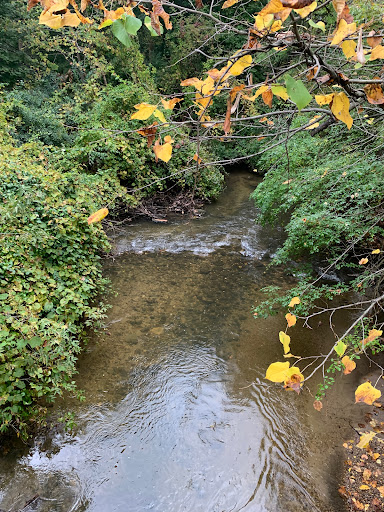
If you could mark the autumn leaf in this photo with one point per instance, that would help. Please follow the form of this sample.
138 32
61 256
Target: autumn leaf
227 121
372 335
145 110
291 319
340 109
56 21
367 394
349 48
318 405
294 382
365 440
285 340
344 30
149 132
360 57
348 364
170 104
229 3
375 96
163 152
320 25
267 97
263 22
98 216
363 261
324 99
294 302
373 40
303 13
376 251
340 348
272 7
313 124
157 13
234 92
277 372
296 4
280 91
377 53
237 67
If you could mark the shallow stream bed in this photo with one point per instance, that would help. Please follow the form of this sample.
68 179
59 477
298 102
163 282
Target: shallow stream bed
178 416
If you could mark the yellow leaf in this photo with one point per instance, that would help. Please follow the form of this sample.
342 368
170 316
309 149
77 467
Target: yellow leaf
285 340
145 110
157 113
229 3
195 82
303 13
324 99
276 25
170 104
56 21
349 365
294 379
313 122
291 319
163 152
365 439
263 22
261 90
344 30
168 139
294 302
280 91
363 261
272 7
367 394
288 356
277 372
376 251
377 53
364 487
238 67
340 109
98 216
340 348
349 48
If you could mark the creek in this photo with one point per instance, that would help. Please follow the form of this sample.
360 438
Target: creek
178 416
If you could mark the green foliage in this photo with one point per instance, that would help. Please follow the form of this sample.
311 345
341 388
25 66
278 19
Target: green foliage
50 274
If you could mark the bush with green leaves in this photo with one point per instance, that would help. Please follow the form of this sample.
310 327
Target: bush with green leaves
50 275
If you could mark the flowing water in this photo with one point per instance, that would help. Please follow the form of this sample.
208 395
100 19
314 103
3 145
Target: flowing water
178 415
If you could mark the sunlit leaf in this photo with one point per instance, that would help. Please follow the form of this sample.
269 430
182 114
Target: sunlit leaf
313 122
56 21
294 302
263 22
376 251
157 113
277 372
365 440
340 109
272 7
229 3
348 364
363 261
238 67
291 319
145 110
303 13
170 104
98 216
285 340
340 348
344 30
367 394
297 92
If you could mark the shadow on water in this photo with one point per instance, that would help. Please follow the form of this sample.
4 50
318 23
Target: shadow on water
178 415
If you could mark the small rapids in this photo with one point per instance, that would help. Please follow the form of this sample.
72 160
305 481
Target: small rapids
178 416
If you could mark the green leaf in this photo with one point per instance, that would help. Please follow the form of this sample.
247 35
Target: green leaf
147 23
3 296
124 28
35 342
340 348
319 24
297 92
132 25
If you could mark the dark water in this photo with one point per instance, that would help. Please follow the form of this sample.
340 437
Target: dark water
178 414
